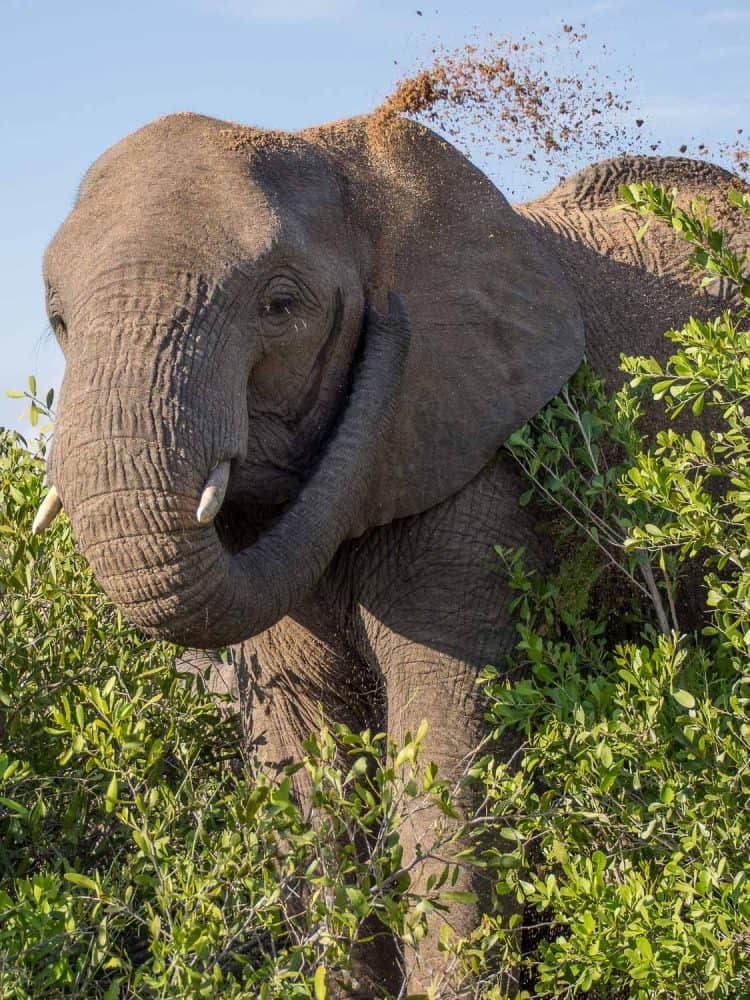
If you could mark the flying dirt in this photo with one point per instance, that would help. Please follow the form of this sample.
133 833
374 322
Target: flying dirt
542 100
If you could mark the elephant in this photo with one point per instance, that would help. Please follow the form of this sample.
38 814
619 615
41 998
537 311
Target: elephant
292 359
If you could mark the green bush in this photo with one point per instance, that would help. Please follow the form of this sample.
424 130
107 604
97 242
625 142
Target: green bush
142 854
628 814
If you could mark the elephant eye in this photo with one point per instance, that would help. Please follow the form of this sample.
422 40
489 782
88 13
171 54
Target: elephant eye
59 328
277 308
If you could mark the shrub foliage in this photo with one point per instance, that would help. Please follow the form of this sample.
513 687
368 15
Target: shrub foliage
141 854
628 815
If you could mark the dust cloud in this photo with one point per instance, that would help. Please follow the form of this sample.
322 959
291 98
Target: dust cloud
540 100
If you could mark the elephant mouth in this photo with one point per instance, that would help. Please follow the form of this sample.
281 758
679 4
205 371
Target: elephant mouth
239 524
258 499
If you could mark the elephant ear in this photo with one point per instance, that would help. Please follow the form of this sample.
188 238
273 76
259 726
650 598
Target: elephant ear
495 327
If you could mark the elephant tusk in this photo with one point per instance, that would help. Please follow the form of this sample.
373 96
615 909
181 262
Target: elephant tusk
49 508
212 496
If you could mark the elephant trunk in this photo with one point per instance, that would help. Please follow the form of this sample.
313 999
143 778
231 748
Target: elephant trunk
132 498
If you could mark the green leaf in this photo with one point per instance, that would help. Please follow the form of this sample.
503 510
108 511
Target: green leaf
559 851
113 990
735 198
644 947
444 937
406 753
319 983
14 806
83 880
683 698
111 796
642 230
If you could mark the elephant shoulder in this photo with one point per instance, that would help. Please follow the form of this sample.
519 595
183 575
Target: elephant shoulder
598 186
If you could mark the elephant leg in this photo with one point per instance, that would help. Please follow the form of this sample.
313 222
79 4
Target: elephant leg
426 833
431 609
298 675
429 838
292 678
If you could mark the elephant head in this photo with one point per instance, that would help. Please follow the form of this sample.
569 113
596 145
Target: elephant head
233 408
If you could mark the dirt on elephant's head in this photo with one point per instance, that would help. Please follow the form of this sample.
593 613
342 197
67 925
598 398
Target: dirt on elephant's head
546 100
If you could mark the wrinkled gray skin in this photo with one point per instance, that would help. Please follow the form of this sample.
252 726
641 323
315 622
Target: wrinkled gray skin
221 294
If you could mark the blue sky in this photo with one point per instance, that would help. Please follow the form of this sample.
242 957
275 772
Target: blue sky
77 76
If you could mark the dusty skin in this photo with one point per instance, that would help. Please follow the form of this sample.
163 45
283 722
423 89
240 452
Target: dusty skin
350 320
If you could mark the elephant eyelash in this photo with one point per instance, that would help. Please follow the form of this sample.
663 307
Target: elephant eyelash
276 308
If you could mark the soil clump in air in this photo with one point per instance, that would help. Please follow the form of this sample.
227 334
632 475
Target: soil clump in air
542 100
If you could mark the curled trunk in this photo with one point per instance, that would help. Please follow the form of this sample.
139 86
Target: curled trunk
133 508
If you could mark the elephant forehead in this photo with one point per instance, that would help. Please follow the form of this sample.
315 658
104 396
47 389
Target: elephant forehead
176 147
159 187
225 192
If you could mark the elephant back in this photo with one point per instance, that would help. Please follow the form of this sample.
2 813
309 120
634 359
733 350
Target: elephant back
597 186
632 290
